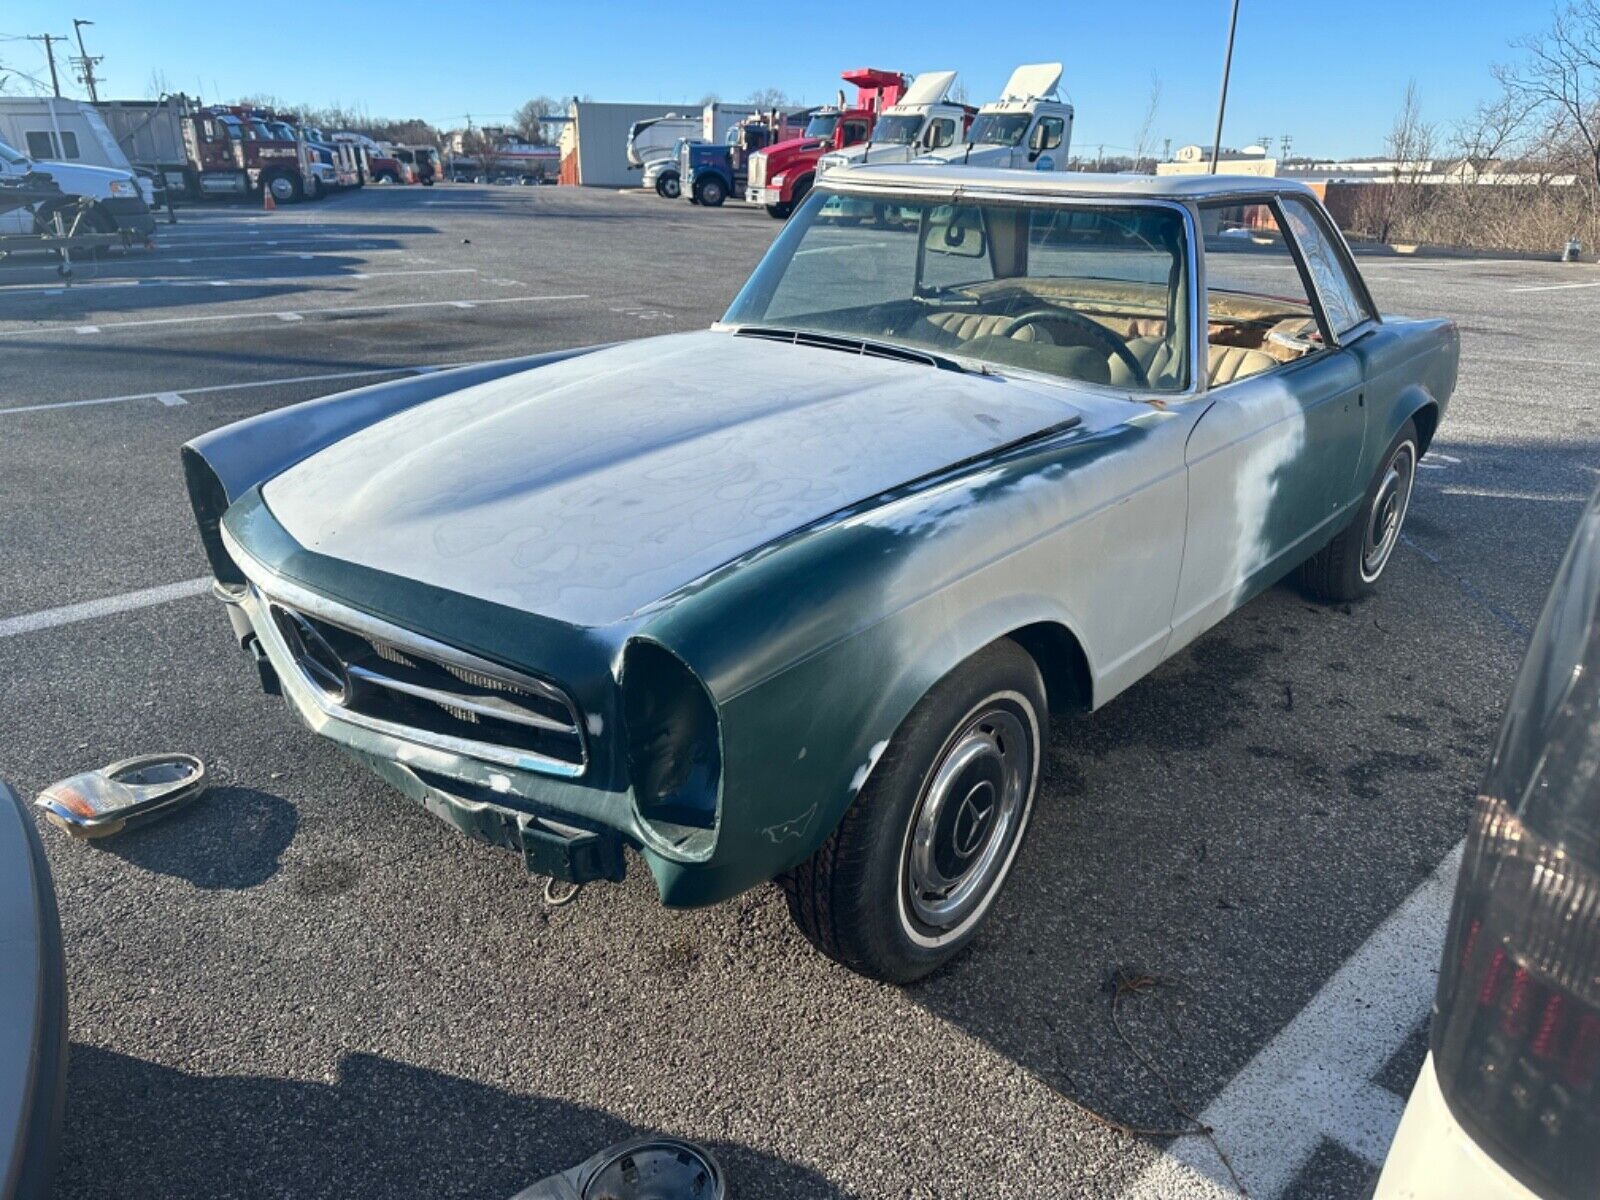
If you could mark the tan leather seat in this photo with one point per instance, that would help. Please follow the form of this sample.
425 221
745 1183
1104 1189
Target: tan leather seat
1235 362
956 327
1224 363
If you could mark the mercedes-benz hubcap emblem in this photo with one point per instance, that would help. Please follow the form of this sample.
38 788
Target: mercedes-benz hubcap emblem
972 821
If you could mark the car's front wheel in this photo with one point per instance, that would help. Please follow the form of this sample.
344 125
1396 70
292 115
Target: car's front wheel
667 186
779 212
1348 567
906 880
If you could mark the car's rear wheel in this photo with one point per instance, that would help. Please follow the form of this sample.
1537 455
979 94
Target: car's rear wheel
906 880
1348 567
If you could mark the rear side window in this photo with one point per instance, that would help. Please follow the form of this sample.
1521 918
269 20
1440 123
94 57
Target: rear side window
1341 294
1259 313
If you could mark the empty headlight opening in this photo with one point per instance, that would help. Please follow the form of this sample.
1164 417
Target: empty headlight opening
674 747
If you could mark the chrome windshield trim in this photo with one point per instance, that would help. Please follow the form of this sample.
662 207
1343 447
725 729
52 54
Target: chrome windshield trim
269 587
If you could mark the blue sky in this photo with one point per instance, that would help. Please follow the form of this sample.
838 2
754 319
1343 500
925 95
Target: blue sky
1331 77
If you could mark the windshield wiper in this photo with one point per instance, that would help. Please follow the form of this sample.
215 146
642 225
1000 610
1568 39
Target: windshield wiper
865 347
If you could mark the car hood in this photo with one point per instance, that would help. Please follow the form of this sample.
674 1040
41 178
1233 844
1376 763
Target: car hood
589 488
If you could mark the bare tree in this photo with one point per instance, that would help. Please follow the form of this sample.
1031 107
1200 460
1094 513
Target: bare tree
1152 106
769 97
529 118
710 98
1409 149
1560 75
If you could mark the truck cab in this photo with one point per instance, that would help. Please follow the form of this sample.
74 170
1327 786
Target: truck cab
710 172
781 175
1029 128
921 121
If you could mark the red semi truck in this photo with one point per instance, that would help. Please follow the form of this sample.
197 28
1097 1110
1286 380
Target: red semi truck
782 174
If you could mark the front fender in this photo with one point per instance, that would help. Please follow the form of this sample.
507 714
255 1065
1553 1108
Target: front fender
816 648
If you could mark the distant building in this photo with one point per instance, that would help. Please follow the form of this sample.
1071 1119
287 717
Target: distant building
1196 160
594 143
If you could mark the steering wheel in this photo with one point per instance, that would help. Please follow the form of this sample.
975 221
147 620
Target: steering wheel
1096 331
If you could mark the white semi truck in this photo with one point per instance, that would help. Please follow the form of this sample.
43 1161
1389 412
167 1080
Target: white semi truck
1028 128
920 121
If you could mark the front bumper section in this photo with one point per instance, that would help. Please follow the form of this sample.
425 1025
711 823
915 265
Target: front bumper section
764 195
476 798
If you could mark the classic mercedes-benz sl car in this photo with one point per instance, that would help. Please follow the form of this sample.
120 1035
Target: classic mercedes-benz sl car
793 597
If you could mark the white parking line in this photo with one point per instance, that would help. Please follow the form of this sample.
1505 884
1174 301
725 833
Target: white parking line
176 397
109 326
1313 1081
89 610
56 289
1555 287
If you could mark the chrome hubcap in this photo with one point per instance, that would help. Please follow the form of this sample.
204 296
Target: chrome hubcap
1388 511
968 819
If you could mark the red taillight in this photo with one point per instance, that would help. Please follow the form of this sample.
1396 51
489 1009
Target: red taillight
1516 1030
1516 1042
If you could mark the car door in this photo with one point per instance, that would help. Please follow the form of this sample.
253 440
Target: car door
1272 459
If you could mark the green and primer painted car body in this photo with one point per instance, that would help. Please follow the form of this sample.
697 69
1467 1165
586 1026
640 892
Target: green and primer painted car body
741 591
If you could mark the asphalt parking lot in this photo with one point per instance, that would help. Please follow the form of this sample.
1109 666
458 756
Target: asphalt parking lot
305 986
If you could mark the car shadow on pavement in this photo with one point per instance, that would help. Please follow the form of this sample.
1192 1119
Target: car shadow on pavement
380 1128
231 839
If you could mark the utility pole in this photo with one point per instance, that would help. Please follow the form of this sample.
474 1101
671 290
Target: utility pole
1222 100
86 65
1285 141
49 52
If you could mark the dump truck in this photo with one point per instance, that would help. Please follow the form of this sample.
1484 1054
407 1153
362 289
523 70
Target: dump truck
781 175
921 120
710 172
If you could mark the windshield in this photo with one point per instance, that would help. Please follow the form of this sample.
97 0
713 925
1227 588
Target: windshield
897 130
822 127
999 129
11 156
1090 292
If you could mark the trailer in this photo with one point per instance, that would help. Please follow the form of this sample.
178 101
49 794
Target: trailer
38 217
150 134
71 132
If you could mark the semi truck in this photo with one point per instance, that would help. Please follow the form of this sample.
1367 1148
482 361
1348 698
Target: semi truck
203 151
921 120
781 175
710 172
1029 128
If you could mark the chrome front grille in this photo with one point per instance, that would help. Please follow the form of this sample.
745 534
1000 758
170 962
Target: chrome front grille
758 170
386 679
